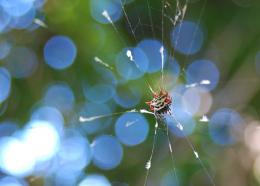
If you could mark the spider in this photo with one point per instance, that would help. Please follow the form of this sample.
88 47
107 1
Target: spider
160 104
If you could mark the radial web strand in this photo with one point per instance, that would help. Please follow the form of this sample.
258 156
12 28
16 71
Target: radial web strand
195 152
149 162
171 154
128 21
83 119
150 17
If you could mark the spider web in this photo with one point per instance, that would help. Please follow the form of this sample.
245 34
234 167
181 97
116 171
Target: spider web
171 14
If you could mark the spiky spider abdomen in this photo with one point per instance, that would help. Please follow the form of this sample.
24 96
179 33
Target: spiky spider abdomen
160 104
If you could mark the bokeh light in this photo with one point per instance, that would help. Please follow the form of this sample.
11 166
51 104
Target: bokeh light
21 62
206 101
60 52
224 125
113 8
5 84
23 21
99 93
94 109
252 136
41 134
131 63
201 70
5 19
65 176
131 129
19 14
15 157
106 76
12 181
172 66
17 8
196 100
152 48
180 123
191 100
75 152
187 38
127 97
5 48
61 96
39 3
107 152
95 180
51 115
177 94
7 128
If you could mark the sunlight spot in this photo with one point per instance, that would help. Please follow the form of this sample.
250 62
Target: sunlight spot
204 118
148 165
196 154
129 55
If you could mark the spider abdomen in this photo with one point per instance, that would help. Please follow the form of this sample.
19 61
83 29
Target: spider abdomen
160 104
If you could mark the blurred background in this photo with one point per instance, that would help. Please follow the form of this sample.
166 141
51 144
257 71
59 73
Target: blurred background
61 60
